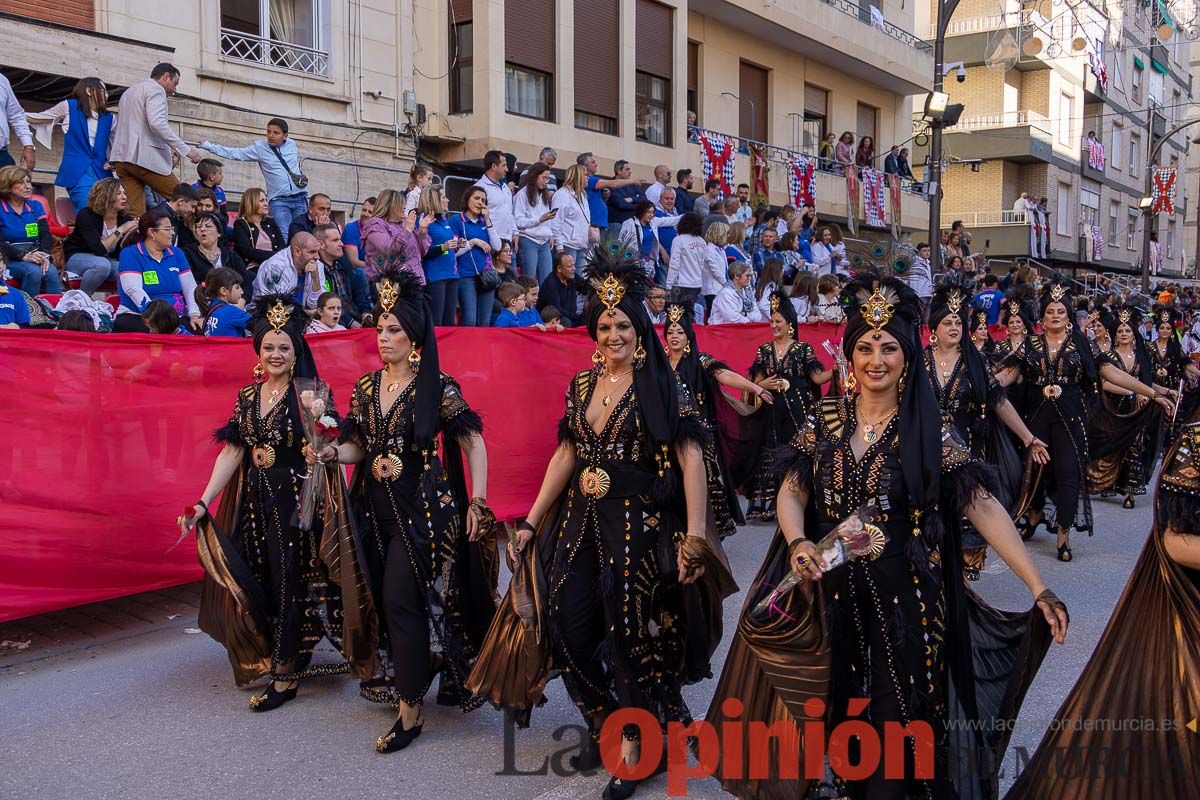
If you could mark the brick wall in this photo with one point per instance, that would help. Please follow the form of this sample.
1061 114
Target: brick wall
968 191
77 13
1035 92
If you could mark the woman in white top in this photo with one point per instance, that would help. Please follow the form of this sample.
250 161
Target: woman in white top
828 252
420 177
641 233
804 296
829 307
535 222
572 220
735 303
770 281
716 263
688 266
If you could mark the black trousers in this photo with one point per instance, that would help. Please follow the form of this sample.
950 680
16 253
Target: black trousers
1068 482
284 549
406 616
581 630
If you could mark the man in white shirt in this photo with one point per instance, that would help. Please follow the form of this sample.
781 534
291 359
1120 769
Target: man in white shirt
145 148
281 273
744 211
653 193
14 117
499 195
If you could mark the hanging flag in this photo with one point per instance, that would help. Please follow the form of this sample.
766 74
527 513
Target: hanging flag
1097 243
1095 154
1163 195
802 181
874 202
1096 62
716 162
760 191
851 200
894 190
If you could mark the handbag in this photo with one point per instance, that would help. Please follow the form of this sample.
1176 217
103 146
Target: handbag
486 279
300 179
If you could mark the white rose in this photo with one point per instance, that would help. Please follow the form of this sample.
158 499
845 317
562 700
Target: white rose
307 397
317 407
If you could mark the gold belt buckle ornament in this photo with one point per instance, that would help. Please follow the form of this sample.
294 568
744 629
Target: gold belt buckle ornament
1052 391
387 467
263 457
594 482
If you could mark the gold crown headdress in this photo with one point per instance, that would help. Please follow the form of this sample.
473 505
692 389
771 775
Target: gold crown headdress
674 314
389 293
1124 315
278 315
954 301
877 311
1057 292
611 292
774 303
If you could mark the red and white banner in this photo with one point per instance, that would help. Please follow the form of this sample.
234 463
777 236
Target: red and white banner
760 191
716 160
852 199
1095 154
1163 193
802 181
895 196
1097 243
874 198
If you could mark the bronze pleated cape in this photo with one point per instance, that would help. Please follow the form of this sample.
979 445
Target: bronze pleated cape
233 606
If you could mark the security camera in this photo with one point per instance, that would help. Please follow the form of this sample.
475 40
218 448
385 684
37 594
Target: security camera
961 74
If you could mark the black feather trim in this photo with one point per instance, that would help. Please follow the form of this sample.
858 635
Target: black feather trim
714 366
351 431
565 434
791 465
665 487
229 433
996 394
691 430
462 424
961 486
1178 511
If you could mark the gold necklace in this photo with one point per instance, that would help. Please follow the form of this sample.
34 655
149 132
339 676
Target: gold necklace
619 375
391 387
870 434
607 399
273 398
946 372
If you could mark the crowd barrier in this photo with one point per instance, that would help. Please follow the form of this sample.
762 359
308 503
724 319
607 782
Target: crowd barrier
110 436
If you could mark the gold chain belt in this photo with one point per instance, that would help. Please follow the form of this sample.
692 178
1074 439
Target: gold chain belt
387 467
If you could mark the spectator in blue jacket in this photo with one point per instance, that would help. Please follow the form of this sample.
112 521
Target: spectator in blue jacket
87 132
25 234
440 260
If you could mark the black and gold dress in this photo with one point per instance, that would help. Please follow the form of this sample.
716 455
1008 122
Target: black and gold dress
1123 731
271 591
1059 393
1121 435
436 588
789 414
889 635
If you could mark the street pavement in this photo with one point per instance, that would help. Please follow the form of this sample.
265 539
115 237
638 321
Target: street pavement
128 700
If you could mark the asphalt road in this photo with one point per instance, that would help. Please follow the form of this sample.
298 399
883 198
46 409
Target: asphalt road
127 700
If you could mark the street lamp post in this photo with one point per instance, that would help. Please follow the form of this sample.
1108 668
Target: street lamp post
933 177
1147 214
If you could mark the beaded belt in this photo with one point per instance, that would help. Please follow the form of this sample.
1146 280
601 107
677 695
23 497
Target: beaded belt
1052 391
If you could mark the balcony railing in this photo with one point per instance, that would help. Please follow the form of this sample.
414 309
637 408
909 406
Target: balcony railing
990 22
241 46
1004 119
984 219
860 11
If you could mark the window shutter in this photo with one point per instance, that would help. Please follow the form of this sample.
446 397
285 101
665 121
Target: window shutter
529 34
752 88
865 123
461 9
597 55
816 100
654 38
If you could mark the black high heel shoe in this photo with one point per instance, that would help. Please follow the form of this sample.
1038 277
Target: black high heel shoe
1028 529
589 760
398 738
621 789
1128 501
272 699
1064 552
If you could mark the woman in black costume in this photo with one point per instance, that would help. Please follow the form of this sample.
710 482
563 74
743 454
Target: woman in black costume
1017 318
634 574
271 590
1061 377
730 444
896 634
970 397
791 371
981 335
431 561
1146 667
1171 366
1121 424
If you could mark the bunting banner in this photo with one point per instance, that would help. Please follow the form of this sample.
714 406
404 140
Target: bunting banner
1095 154
760 191
716 162
895 184
802 181
1097 244
874 198
1163 195
851 200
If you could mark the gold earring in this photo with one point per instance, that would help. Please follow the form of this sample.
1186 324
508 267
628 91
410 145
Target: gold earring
1070 327
687 347
639 355
933 338
414 359
292 371
260 374
851 383
598 357
903 380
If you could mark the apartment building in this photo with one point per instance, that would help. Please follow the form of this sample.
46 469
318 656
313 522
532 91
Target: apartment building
1191 179
1031 100
337 70
619 78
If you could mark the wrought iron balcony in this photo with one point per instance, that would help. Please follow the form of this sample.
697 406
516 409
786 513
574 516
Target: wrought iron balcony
239 46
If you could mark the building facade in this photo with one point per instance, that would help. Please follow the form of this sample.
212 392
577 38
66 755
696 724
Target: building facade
619 78
1034 94
336 70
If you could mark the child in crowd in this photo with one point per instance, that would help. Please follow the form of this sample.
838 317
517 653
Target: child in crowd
552 319
207 202
161 317
220 300
512 298
329 314
211 173
77 320
419 177
530 316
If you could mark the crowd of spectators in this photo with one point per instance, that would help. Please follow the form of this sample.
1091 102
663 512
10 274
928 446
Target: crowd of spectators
148 252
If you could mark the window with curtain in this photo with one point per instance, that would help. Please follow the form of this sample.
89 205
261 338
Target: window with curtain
1115 147
595 122
289 34
462 67
1114 217
693 79
653 108
816 111
1089 205
526 92
1135 154
1131 230
1065 101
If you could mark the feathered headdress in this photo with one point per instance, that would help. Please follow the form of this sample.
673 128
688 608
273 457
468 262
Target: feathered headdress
949 298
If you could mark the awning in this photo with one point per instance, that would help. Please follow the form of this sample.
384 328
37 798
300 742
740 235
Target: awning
1137 62
1157 67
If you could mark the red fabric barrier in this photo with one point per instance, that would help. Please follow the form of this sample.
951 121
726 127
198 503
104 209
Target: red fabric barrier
109 437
